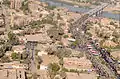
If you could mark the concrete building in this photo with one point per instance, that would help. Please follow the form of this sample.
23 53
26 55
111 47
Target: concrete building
80 76
12 74
18 49
12 70
77 63
16 4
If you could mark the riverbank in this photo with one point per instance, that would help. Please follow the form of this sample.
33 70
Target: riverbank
109 9
76 3
115 10
73 8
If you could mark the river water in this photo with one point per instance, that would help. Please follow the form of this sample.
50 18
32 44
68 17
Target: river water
72 8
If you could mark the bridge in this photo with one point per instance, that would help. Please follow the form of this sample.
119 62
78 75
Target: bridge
103 62
98 10
94 12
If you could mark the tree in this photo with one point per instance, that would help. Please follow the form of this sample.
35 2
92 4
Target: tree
2 41
65 36
14 56
63 75
39 59
6 2
61 62
62 52
1 54
111 23
80 55
53 68
38 66
4 48
13 39
5 59
55 33
50 51
24 55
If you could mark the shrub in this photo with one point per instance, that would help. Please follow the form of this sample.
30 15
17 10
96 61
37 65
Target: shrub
111 23
38 66
65 36
50 7
54 67
14 56
65 70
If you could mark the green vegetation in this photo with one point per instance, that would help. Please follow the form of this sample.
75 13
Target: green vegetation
53 69
5 59
49 20
24 55
2 41
50 7
4 48
13 39
74 70
61 62
39 60
63 75
25 7
6 2
80 55
55 33
75 43
60 53
59 17
38 66
36 24
65 70
15 56
17 27
65 36
111 23
63 53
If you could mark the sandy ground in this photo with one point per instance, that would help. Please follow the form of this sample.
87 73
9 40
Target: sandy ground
49 59
112 9
116 54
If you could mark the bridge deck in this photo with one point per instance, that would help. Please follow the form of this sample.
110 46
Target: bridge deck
91 12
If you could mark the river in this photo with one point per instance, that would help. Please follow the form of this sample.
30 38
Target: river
72 8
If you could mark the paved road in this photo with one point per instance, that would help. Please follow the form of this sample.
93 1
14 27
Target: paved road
103 68
31 52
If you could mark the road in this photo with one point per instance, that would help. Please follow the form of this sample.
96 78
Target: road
103 67
31 52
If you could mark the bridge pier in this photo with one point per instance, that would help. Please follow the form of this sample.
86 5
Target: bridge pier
98 14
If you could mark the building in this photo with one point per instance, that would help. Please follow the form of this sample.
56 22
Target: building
71 75
12 70
18 49
16 4
42 53
77 63
12 74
